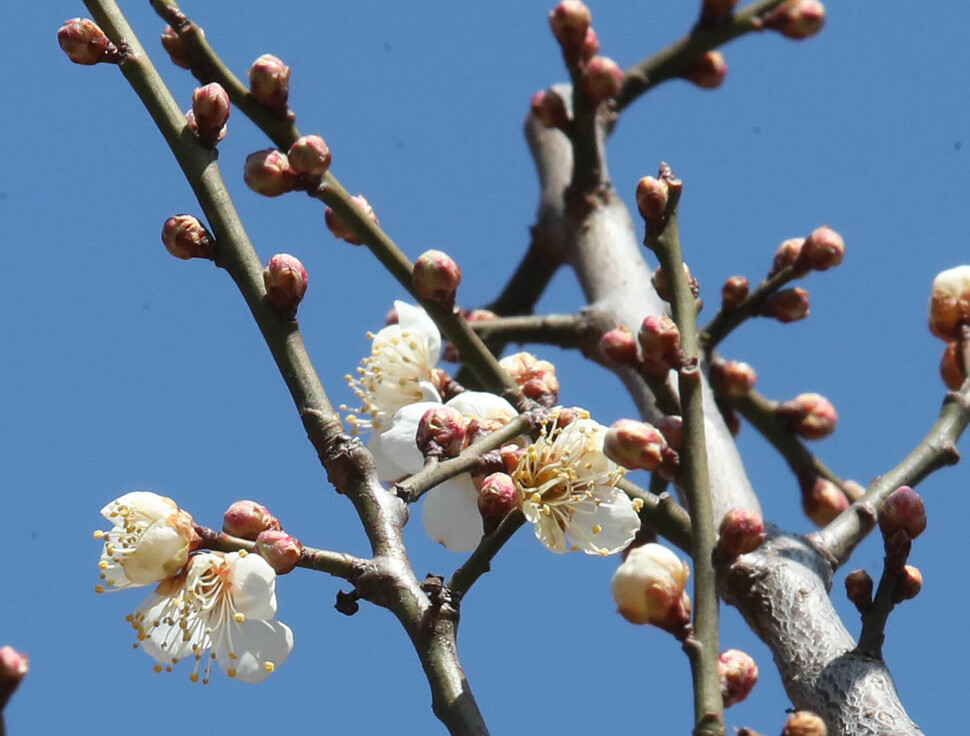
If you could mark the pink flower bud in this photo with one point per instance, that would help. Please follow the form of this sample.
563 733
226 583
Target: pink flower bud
804 723
634 444
496 498
342 230
734 292
279 549
903 511
733 377
797 19
309 156
602 79
659 340
822 500
709 72
858 589
85 43
672 428
741 531
648 588
286 280
210 111
822 250
953 370
436 276
591 45
511 455
811 416
268 172
246 519
738 674
441 432
175 48
536 377
652 197
659 282
185 237
13 668
786 255
787 305
950 303
569 21
908 584
549 109
619 346
269 82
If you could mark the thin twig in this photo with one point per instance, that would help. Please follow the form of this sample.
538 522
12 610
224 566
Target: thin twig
479 562
661 513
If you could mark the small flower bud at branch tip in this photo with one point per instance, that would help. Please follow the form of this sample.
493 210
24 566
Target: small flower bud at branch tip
908 584
741 531
569 22
822 250
858 589
496 498
268 172
811 416
601 80
634 445
210 111
652 197
441 432
734 292
279 549
185 237
733 377
246 519
796 19
903 510
950 303
738 673
648 588
85 43
786 255
269 82
310 156
787 305
436 276
659 340
286 280
804 723
619 346
822 500
709 72
14 666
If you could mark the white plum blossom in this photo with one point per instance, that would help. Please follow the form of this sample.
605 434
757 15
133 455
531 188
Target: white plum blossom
399 369
223 604
567 489
150 540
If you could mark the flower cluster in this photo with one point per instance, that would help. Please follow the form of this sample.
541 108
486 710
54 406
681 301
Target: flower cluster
220 603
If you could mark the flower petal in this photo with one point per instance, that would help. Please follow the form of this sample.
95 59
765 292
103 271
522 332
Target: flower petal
251 650
160 552
147 505
604 526
253 585
450 514
415 319
399 443
483 405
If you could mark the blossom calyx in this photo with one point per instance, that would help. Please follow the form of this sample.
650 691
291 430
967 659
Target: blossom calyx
620 346
809 415
172 43
903 511
648 588
601 80
741 531
441 432
804 723
246 519
436 277
496 498
286 280
269 82
709 71
268 172
822 250
734 292
950 303
310 156
185 237
342 230
279 549
738 674
796 19
536 377
85 43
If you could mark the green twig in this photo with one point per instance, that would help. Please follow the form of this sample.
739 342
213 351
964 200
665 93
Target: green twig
479 562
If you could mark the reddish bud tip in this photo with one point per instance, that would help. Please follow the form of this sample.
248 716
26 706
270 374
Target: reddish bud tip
950 303
14 666
548 107
309 156
269 82
342 230
279 549
569 22
436 276
441 432
811 416
786 255
85 43
591 45
908 584
536 377
858 589
246 519
601 80
709 72
734 292
822 250
797 19
652 197
659 340
286 281
185 237
620 346
804 723
496 498
953 369
738 674
175 48
741 531
634 445
268 172
787 305
903 511
210 111
733 377
822 500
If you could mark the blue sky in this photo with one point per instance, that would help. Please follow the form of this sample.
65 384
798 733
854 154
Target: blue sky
125 369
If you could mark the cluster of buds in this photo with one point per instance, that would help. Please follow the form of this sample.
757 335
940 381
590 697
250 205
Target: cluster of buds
796 19
253 521
640 446
550 109
659 282
659 340
619 346
13 668
209 113
649 588
732 377
497 496
269 82
536 377
441 432
787 305
185 237
268 172
436 277
342 230
85 43
810 415
804 723
741 531
709 72
738 674
822 500
172 43
734 292
286 280
821 250
600 78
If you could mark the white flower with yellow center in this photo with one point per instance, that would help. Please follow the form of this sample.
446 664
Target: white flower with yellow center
567 489
398 370
150 540
223 604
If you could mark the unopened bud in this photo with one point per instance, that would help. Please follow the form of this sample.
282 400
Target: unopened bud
602 79
822 500
441 432
734 292
185 237
950 303
652 197
286 280
177 52
634 445
648 588
591 45
536 377
309 156
269 82
903 511
85 43
496 498
733 377
659 282
953 369
620 346
436 276
247 519
738 673
569 21
672 428
822 250
342 230
279 549
787 305
511 455
659 339
741 531
210 111
548 107
804 723
13 668
858 589
908 584
797 18
811 416
786 255
709 72
268 172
